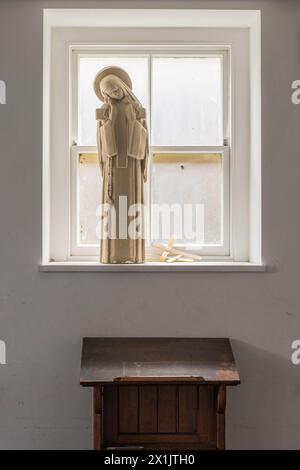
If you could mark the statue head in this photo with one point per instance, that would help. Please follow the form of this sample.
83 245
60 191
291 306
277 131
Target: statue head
112 86
112 82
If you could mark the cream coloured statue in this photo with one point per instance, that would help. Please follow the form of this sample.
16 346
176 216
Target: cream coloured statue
122 139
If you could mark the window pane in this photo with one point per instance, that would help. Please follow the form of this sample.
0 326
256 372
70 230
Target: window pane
89 194
187 101
137 67
190 185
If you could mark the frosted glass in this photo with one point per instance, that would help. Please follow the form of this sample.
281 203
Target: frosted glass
190 179
90 188
137 67
186 101
176 179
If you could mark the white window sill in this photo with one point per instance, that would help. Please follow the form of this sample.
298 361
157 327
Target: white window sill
154 267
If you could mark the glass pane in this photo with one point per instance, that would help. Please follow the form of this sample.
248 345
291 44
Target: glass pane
137 67
187 101
89 193
187 198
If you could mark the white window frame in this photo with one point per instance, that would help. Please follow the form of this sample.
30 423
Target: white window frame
90 252
245 177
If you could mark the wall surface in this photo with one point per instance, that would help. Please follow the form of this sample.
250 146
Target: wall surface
43 316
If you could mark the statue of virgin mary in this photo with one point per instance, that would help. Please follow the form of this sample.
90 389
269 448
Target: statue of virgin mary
122 140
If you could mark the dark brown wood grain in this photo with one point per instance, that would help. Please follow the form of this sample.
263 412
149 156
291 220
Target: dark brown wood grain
110 415
128 407
167 409
140 401
165 415
206 417
98 425
220 408
187 408
148 406
106 360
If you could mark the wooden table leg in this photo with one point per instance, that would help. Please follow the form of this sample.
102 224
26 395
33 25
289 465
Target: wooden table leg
221 405
98 418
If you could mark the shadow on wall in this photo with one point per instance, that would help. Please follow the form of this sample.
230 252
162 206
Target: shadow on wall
260 410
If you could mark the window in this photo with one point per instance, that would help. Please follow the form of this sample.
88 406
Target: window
186 97
199 81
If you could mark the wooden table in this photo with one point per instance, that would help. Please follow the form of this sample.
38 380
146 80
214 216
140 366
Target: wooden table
158 393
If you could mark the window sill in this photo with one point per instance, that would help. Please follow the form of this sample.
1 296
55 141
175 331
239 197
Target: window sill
152 267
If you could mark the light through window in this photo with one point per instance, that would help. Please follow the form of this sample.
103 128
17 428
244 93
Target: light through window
186 98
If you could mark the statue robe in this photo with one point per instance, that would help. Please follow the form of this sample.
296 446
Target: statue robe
122 140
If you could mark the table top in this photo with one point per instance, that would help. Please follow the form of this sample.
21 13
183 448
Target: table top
136 360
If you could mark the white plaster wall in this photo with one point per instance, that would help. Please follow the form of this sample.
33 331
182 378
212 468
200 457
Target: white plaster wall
43 316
